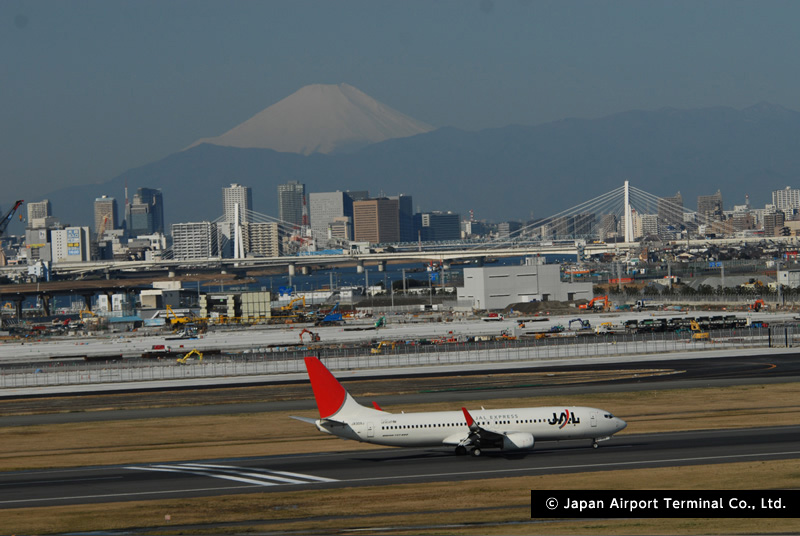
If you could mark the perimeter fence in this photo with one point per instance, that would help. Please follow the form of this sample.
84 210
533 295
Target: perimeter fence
260 362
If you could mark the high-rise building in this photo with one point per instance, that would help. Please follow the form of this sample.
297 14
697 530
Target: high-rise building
583 224
325 207
40 215
376 220
773 222
146 214
608 226
262 239
105 214
71 244
786 199
233 194
508 229
40 209
670 209
194 240
651 225
405 207
291 202
438 226
709 207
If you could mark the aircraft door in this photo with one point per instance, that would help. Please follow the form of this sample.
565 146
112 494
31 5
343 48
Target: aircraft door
370 430
594 419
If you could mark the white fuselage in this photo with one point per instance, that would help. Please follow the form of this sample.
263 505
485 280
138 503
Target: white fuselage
449 427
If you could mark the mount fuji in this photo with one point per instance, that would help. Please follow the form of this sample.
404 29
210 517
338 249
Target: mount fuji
320 118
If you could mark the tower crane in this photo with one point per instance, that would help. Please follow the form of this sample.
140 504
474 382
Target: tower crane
8 216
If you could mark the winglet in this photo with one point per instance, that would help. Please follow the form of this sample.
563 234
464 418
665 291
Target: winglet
470 420
328 392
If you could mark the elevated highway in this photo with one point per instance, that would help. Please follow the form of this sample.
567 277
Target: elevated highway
442 254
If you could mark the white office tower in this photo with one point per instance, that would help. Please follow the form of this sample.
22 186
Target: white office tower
325 208
194 240
236 193
231 196
786 199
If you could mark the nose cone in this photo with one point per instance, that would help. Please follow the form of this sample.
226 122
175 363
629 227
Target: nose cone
621 425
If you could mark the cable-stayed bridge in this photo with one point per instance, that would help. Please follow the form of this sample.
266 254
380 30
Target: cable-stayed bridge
608 223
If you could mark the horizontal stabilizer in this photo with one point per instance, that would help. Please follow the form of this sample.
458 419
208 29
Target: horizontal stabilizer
304 419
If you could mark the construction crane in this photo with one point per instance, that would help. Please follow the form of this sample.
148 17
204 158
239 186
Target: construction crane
175 318
8 216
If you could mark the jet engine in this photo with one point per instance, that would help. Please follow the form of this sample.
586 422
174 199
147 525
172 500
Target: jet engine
517 441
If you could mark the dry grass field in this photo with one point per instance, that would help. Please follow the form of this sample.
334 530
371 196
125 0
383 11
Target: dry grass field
489 506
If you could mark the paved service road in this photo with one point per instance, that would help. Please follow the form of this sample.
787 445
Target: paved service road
387 466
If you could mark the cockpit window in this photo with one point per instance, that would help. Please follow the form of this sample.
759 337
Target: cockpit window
608 416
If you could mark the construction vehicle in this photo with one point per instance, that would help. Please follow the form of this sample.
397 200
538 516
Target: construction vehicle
381 322
493 317
313 336
7 218
599 302
757 305
378 349
697 333
175 318
331 318
183 360
584 324
505 335
290 306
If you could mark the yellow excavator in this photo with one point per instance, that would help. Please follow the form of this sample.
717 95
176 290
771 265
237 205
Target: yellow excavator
183 360
697 333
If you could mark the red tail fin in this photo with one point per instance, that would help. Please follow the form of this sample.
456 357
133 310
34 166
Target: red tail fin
329 393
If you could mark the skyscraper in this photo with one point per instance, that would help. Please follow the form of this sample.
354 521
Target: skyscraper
291 200
105 214
325 207
146 213
376 221
670 209
39 214
709 207
786 199
232 195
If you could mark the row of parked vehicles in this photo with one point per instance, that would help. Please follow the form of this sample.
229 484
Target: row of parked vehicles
685 324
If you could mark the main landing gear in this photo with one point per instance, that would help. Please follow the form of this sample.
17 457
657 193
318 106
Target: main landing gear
462 451
594 443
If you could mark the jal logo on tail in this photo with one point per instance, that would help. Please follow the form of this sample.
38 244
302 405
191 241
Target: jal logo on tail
564 419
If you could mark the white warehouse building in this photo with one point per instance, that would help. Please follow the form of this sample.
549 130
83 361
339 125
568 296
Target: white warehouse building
497 287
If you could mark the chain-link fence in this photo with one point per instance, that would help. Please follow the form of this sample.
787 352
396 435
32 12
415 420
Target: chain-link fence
402 354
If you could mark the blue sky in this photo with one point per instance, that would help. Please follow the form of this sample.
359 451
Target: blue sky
89 89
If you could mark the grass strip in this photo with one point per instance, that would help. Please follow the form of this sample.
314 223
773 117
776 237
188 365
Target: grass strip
489 506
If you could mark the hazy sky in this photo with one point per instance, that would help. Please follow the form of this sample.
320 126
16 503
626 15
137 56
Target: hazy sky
89 89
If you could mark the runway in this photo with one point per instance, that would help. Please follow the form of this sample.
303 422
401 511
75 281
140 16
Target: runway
466 385
195 478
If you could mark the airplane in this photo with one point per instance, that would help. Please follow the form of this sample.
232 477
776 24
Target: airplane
467 431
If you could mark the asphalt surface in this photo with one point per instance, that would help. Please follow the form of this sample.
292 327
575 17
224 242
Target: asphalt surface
387 466
456 388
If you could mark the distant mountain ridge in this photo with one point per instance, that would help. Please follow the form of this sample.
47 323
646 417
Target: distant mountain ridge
320 118
502 173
